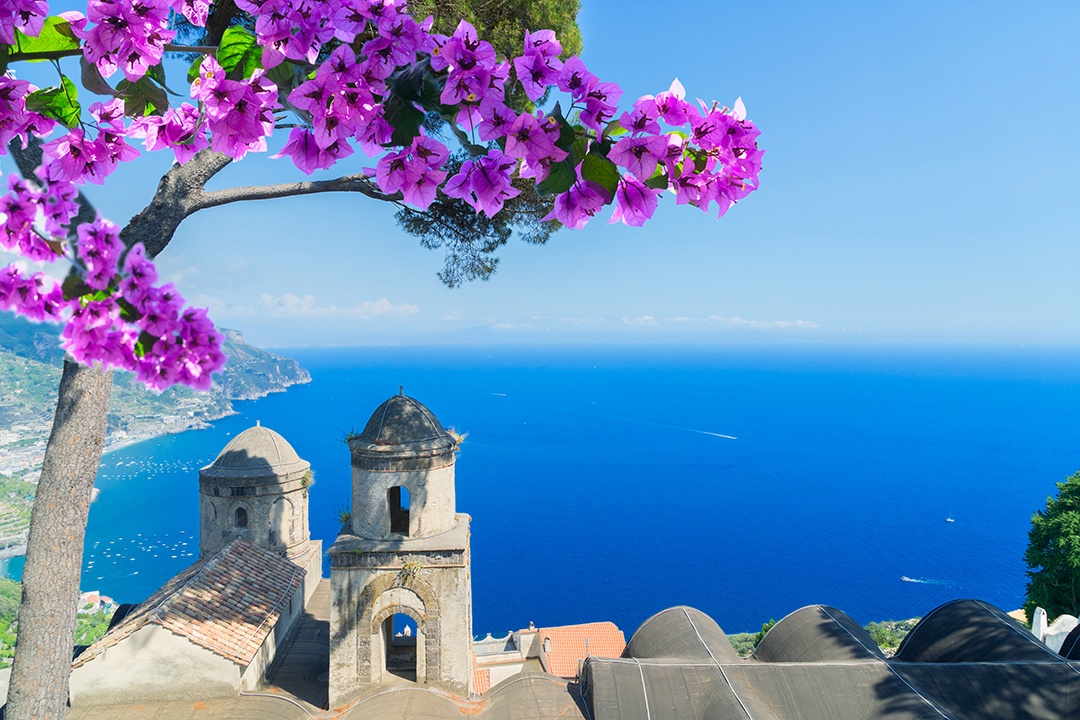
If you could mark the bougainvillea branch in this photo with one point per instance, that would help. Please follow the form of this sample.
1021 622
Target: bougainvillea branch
353 75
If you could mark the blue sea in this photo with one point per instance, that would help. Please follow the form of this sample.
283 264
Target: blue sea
609 484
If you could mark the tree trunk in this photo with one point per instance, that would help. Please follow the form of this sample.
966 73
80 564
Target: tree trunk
54 547
39 676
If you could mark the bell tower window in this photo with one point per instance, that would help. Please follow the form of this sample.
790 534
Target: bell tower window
398 498
241 517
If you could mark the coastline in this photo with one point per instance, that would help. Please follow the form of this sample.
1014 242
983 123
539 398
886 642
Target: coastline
149 431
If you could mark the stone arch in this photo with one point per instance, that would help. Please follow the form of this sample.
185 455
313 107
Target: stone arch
280 523
423 640
228 525
368 623
233 516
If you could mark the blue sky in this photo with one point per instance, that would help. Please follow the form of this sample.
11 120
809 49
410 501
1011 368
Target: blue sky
917 186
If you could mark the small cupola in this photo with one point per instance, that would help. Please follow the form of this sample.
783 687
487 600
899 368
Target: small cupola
256 489
403 472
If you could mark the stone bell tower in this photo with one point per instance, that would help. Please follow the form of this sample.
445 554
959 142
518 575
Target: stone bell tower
402 558
257 489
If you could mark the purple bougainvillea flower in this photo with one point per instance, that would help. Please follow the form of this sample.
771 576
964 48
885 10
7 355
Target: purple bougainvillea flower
528 138
640 155
485 183
536 72
496 119
601 102
429 151
28 16
422 185
542 42
642 119
308 155
634 202
575 207
575 79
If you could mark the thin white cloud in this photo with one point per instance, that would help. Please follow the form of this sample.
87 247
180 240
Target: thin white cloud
58 269
502 326
178 276
289 305
570 320
737 322
643 321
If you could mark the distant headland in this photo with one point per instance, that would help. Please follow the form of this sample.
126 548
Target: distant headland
31 362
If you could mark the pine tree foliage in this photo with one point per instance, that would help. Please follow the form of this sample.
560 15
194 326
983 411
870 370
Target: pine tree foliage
1053 554
468 238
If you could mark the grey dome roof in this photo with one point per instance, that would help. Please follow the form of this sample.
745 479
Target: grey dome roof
257 452
403 422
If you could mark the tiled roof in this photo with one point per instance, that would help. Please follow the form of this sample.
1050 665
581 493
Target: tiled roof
568 645
481 680
228 602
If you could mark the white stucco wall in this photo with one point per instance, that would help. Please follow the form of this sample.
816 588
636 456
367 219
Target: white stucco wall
153 663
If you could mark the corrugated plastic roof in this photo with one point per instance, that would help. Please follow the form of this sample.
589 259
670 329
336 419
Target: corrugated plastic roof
227 602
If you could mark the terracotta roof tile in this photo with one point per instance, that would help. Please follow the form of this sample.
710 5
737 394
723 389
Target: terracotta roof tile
227 602
568 645
481 681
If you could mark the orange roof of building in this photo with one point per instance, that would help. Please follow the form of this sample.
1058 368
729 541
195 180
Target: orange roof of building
228 602
481 681
568 645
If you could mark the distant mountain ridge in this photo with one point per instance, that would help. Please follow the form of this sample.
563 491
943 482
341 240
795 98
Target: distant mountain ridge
31 362
30 367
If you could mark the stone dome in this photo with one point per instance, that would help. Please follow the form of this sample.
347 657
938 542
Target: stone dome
403 423
256 453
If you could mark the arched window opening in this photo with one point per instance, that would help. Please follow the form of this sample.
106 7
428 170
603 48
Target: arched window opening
241 517
398 498
399 638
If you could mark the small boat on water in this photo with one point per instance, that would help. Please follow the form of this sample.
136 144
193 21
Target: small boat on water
949 520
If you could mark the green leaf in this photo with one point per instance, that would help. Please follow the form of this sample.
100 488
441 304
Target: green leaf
75 287
128 312
614 128
59 103
239 54
578 151
55 37
700 158
284 76
466 142
403 117
408 83
93 81
602 171
145 343
658 181
142 97
562 178
157 74
193 71
567 134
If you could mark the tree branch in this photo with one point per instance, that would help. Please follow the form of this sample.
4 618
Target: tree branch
178 189
350 183
74 52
